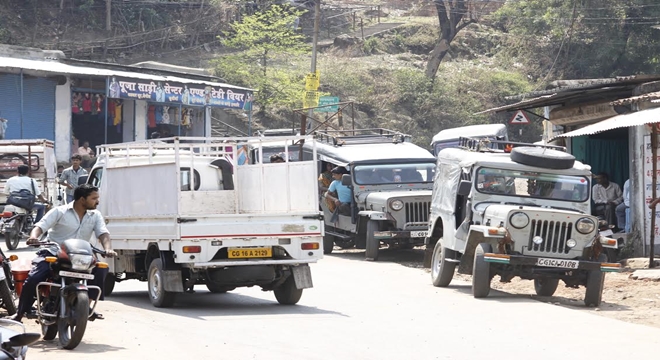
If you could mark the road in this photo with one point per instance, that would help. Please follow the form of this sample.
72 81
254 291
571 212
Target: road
357 310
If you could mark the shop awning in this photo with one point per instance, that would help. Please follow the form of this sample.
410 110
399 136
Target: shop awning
643 117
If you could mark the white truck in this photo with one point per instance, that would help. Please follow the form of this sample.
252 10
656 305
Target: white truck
39 154
180 212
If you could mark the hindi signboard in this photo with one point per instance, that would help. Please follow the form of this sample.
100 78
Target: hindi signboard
328 100
313 81
310 99
178 93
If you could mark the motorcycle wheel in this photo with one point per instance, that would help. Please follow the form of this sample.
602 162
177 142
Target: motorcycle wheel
7 297
49 331
13 236
72 328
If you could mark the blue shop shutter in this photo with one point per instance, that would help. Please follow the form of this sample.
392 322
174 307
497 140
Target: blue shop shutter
38 108
10 104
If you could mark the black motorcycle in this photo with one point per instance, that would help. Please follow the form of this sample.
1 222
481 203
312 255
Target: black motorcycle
7 289
63 303
14 343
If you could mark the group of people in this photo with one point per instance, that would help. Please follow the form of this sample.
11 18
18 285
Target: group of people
337 195
610 201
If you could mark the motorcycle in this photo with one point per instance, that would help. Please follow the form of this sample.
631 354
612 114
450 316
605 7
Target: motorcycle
14 344
63 303
610 245
7 287
16 222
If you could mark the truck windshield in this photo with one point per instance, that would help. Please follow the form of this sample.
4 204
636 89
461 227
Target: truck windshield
532 184
378 174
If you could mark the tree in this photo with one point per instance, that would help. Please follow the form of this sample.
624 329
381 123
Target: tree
453 16
267 33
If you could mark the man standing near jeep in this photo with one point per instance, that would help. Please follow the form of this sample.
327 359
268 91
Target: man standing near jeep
338 193
606 196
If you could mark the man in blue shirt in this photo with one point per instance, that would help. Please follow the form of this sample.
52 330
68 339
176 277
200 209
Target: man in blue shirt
338 193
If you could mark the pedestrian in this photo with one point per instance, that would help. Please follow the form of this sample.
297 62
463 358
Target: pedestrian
70 176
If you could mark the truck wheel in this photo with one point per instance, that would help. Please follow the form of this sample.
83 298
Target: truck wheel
545 287
442 271
328 244
218 289
109 284
481 271
595 284
373 244
540 157
288 293
156 282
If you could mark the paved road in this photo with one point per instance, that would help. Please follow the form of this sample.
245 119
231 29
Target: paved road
357 310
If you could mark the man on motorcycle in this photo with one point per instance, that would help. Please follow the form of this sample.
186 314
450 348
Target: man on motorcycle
23 181
76 220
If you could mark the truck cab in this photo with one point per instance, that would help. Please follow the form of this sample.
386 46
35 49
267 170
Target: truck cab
522 213
391 181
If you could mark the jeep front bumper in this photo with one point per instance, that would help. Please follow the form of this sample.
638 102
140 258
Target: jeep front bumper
563 264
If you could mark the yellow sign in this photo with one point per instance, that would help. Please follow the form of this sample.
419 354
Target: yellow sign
311 99
313 81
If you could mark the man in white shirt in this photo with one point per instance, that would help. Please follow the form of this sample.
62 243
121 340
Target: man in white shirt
23 181
87 154
621 208
606 196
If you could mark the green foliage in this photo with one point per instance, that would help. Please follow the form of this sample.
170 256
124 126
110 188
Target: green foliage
372 45
268 33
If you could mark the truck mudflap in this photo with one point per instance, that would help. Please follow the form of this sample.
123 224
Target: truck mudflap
405 234
302 276
563 264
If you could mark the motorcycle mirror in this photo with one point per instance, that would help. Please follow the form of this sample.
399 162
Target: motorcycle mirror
22 339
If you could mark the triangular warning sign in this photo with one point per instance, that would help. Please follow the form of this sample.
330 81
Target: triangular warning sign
520 118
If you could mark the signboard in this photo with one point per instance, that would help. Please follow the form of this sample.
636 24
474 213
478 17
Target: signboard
328 100
519 118
310 99
648 191
178 93
313 81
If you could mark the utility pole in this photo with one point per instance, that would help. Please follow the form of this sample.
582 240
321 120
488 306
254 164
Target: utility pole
108 15
317 20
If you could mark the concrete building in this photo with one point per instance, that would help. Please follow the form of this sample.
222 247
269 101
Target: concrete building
45 95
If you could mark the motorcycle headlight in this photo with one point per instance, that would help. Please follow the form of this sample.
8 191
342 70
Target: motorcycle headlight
396 205
519 220
585 225
80 262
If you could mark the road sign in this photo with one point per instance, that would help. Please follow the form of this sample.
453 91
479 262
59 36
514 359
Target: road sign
310 99
520 118
328 100
313 81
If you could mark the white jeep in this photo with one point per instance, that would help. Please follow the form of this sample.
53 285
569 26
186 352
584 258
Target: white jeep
526 213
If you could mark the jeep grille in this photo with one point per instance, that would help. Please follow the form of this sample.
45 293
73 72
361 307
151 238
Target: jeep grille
554 234
417 212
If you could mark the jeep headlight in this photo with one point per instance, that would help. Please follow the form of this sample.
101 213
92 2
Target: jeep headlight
585 225
80 262
396 205
519 220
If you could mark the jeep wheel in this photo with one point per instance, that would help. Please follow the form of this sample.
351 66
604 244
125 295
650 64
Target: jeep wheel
595 284
481 271
546 287
544 158
442 271
372 243
328 243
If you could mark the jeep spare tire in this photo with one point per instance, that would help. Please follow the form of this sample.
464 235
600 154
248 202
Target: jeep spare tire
542 157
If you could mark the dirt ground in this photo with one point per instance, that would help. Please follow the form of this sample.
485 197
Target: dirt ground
634 301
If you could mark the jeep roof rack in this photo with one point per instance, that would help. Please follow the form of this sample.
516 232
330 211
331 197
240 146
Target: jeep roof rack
485 145
361 136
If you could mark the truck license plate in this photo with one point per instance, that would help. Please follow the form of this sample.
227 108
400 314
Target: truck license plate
246 253
418 234
558 263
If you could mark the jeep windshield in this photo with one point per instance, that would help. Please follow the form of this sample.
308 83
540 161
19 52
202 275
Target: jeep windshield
379 174
532 184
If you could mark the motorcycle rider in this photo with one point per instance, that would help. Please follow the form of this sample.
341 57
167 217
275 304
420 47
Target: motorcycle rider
75 220
23 181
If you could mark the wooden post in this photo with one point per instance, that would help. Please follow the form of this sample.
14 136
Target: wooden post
378 13
108 15
654 182
354 19
362 28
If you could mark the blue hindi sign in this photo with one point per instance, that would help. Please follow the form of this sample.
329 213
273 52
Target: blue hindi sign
328 100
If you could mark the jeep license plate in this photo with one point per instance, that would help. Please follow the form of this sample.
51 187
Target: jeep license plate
247 253
418 234
558 263
76 275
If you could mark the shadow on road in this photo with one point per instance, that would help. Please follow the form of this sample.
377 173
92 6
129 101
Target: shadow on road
45 346
412 258
203 304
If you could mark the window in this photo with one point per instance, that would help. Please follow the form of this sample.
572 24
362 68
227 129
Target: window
185 179
532 184
95 177
9 162
378 174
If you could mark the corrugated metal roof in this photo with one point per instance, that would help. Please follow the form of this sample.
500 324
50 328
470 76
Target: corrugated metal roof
643 117
56 67
637 99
